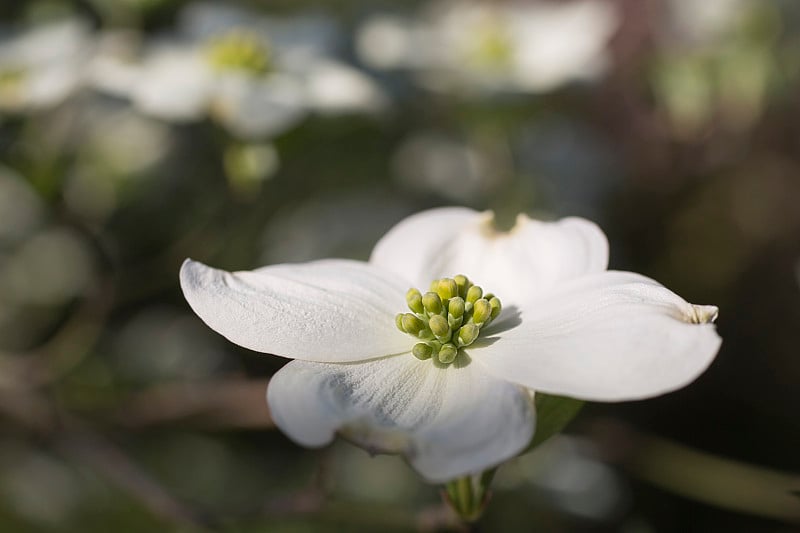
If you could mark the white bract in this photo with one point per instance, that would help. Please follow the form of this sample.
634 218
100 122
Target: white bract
513 46
567 326
706 24
44 65
257 76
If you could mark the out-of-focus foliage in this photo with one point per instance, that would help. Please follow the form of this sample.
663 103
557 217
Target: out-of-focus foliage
136 133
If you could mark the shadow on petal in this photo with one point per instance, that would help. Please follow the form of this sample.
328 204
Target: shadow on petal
510 318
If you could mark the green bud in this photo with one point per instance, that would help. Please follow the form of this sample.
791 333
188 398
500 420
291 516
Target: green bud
448 354
425 334
414 301
432 303
474 294
496 306
422 351
412 324
463 284
439 326
468 334
446 318
447 288
481 311
455 316
456 307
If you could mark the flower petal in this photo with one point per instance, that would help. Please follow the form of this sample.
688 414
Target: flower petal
333 310
448 422
611 337
529 259
174 84
257 108
334 87
413 247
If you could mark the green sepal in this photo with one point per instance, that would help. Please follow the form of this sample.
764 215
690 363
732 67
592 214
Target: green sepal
553 413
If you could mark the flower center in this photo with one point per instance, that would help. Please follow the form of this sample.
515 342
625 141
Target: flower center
11 86
447 318
492 47
239 50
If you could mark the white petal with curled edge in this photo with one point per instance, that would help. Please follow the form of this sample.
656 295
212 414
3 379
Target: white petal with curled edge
258 108
412 247
610 337
332 310
529 259
174 84
448 422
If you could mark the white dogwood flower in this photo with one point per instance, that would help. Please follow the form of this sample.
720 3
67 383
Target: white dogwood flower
510 46
42 66
449 382
256 76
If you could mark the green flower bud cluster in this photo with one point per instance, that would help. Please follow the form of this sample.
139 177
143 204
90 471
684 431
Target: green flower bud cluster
239 50
447 317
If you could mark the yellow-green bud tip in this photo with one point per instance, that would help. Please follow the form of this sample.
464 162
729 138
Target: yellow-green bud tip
474 294
412 324
467 334
481 312
496 307
439 325
463 284
414 301
447 288
447 354
422 351
456 307
432 303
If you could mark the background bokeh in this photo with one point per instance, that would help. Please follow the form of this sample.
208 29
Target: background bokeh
136 133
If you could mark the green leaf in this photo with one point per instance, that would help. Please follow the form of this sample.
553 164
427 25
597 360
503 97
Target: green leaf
553 413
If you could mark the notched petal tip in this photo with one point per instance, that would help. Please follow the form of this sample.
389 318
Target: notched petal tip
617 336
703 314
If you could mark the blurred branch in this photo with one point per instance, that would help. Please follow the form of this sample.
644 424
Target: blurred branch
102 456
52 360
233 403
702 476
28 409
370 516
74 439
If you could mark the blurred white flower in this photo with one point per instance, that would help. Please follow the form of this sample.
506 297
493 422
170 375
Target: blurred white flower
693 23
431 384
257 76
515 46
565 470
107 166
42 66
713 68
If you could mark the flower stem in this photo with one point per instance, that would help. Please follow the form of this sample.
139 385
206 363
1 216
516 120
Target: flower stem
468 495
